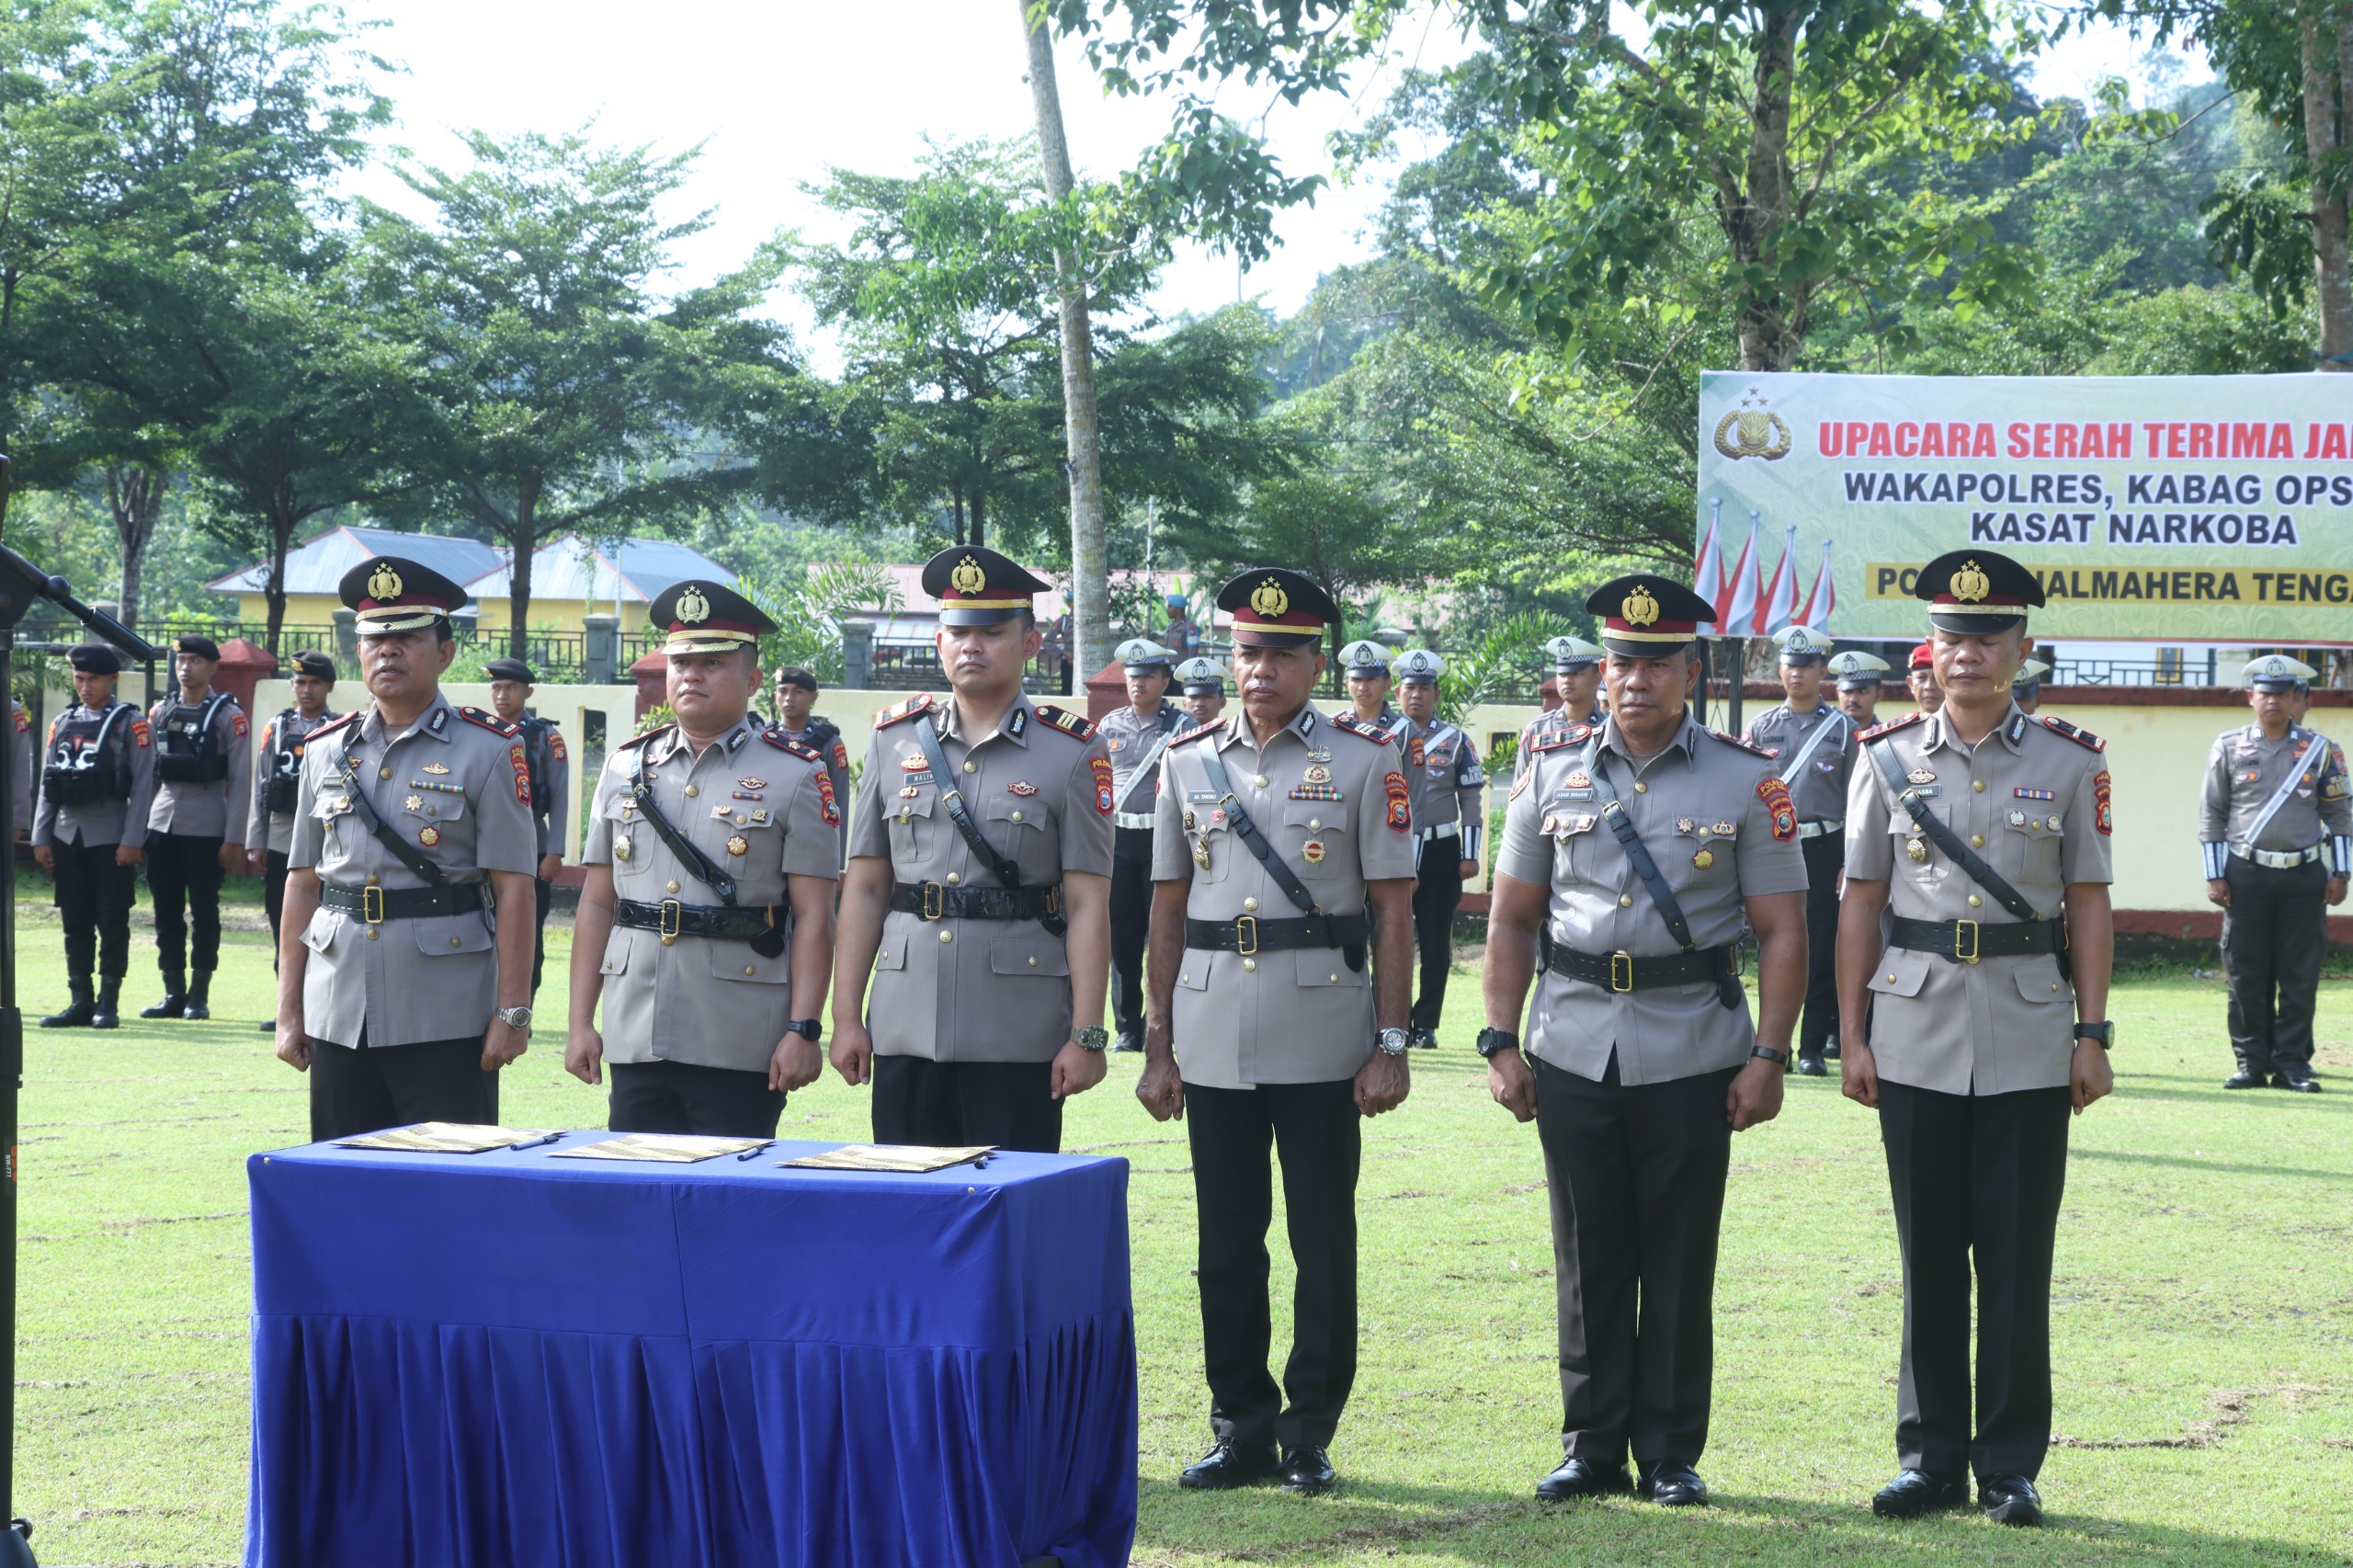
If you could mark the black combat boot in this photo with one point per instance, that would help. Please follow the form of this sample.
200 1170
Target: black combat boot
175 1002
76 1015
102 1014
199 995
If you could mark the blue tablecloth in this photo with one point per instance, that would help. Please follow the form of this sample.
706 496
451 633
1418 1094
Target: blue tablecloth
506 1360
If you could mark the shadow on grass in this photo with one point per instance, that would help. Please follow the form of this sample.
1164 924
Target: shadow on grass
2184 1162
1404 1523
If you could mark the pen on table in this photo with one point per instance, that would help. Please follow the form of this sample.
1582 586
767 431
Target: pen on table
749 1153
535 1143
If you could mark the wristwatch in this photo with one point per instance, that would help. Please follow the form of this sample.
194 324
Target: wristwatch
1391 1042
1780 1058
516 1019
1091 1036
807 1028
2101 1034
1493 1043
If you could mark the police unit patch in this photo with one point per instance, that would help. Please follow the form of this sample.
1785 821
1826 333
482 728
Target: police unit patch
522 767
2100 816
1101 768
827 806
1776 796
1401 811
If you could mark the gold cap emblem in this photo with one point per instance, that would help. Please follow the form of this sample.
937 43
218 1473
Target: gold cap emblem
383 582
968 578
693 608
1970 584
1639 608
1268 598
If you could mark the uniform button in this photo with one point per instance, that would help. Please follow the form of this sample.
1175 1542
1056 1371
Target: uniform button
947 935
1332 980
2054 985
1017 816
953 879
1314 824
371 933
970 767
1033 964
1974 900
1250 964
1979 785
455 942
1250 906
1641 788
1977 840
1186 979
1625 901
383 773
670 887
1260 779
692 790
747 969
374 881
1891 977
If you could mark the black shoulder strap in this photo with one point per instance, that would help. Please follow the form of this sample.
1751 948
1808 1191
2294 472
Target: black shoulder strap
1003 869
1945 838
402 850
1276 867
704 869
1614 813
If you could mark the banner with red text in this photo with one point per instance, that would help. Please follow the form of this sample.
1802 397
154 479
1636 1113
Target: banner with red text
2164 509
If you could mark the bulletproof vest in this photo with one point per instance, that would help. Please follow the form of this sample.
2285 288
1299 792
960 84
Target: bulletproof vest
542 759
187 747
90 756
285 760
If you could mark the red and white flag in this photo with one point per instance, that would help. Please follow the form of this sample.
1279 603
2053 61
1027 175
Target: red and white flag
1779 607
1822 603
1736 594
1708 567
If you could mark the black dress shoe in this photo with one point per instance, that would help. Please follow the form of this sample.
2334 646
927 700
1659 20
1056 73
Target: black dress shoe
1583 1478
1916 1492
196 1010
1307 1471
1225 1466
1673 1486
2010 1500
2298 1080
172 1005
1810 1064
2245 1078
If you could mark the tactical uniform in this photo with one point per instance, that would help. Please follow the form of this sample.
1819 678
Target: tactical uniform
550 813
203 775
277 785
1449 793
824 736
2275 824
97 781
1134 744
22 783
1815 751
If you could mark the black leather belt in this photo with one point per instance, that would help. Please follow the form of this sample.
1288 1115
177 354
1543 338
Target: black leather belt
1966 941
377 904
938 901
1622 971
1251 934
674 920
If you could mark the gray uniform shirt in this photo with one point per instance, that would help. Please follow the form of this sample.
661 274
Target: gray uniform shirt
1132 741
1447 783
1819 789
102 821
2033 802
1038 786
1716 818
286 734
1332 799
2244 770
1548 724
753 803
216 810
456 777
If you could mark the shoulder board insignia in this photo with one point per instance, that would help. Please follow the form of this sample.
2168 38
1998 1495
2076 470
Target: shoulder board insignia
332 725
1574 734
1195 732
491 722
791 747
1364 727
650 734
919 704
1751 747
2084 738
1069 723
1914 716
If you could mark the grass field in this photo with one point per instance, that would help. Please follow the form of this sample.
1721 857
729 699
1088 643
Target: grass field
2203 1319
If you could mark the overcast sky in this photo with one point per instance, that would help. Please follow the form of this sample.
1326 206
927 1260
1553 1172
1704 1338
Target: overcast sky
779 90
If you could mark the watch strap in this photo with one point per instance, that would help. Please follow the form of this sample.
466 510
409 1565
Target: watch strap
1779 1058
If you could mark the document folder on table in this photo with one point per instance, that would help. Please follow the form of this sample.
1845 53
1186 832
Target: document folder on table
890 1157
445 1138
676 1149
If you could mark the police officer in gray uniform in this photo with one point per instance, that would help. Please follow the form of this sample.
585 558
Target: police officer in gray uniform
396 992
269 821
1815 746
1135 737
978 893
1278 827
1631 855
707 919
195 827
2027 690
1576 676
1204 679
1449 821
1977 927
796 696
511 684
2275 833
1365 665
1859 675
97 779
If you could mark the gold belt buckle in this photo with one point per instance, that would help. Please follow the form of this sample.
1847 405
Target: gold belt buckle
1246 935
934 901
1962 928
371 904
673 917
1616 960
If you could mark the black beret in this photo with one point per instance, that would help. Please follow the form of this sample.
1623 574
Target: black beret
95 659
793 674
203 647
311 662
510 669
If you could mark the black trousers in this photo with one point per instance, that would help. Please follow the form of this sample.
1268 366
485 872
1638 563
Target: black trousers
1130 925
1637 1178
955 1104
273 896
368 1090
683 1097
1975 1177
183 875
1438 892
2275 935
1824 857
545 890
94 898
1317 1134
